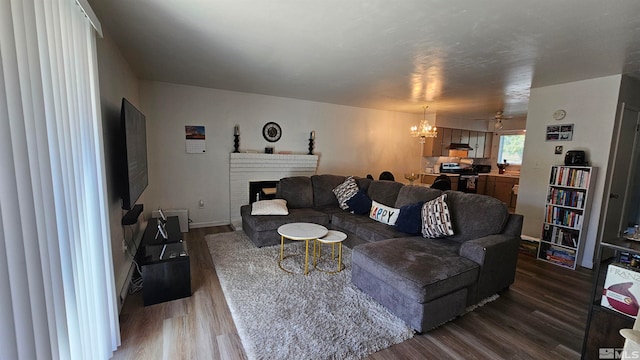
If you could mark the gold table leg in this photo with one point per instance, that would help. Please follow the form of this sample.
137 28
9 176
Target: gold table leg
306 257
281 247
340 264
339 256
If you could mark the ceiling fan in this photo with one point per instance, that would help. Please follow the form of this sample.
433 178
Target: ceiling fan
498 117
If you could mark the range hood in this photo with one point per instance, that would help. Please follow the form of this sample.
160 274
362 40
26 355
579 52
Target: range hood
458 146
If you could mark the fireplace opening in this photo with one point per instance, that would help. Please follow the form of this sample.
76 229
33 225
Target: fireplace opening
262 190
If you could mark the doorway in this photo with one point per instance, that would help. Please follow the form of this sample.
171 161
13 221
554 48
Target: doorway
619 207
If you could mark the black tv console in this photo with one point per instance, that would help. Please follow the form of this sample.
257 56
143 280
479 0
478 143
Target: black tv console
164 263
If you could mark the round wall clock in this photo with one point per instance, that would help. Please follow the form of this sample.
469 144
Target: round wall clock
271 132
559 115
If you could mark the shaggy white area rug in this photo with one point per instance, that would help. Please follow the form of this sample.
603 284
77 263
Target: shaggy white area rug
296 316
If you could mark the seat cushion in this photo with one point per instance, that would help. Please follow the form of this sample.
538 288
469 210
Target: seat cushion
349 221
416 267
376 231
272 222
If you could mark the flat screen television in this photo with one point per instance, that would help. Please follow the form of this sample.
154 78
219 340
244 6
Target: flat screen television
134 165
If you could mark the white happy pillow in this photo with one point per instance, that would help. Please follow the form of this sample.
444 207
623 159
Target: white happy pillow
270 207
383 213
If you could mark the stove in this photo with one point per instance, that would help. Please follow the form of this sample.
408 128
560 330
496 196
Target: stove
456 168
468 180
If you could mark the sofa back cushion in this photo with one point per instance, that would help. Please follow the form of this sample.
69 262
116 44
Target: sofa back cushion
323 186
363 183
297 190
411 194
474 216
384 191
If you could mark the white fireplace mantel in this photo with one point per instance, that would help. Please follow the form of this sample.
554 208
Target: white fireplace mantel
247 167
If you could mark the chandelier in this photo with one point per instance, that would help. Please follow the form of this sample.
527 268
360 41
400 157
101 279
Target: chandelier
424 130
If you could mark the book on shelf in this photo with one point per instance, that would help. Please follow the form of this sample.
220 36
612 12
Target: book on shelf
561 255
564 217
570 177
560 236
563 197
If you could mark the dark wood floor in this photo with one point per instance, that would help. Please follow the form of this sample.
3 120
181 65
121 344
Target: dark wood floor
542 316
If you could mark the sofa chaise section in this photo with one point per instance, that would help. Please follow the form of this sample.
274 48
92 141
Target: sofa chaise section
426 282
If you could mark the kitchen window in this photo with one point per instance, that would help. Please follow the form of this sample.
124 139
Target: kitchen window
511 148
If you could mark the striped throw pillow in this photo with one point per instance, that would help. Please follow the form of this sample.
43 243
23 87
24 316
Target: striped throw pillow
436 221
346 191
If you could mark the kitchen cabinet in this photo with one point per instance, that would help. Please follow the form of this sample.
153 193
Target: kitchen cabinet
446 141
432 146
439 146
488 140
460 136
473 140
478 141
482 184
501 188
480 145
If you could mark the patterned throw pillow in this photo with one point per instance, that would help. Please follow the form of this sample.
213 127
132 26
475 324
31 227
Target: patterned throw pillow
436 221
384 214
345 191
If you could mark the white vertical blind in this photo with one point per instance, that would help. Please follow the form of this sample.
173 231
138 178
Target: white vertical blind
55 248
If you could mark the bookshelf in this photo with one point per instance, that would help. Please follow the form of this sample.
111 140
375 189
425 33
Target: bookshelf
566 214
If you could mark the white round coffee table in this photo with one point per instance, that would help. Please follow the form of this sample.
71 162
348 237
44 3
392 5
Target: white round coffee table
299 231
333 237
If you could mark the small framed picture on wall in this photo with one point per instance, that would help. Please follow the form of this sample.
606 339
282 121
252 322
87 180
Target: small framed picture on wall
559 132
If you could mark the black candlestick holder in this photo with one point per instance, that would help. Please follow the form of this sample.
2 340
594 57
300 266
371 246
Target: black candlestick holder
311 141
236 143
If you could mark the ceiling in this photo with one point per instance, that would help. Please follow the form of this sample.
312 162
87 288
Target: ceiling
465 59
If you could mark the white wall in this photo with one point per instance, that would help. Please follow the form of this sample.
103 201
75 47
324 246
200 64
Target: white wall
349 140
117 80
591 107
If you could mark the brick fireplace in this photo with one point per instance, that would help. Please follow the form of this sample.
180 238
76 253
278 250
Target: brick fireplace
245 168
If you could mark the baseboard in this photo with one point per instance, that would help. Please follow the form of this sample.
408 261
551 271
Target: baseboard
195 225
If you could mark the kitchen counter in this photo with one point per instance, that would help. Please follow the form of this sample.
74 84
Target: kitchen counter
503 187
508 175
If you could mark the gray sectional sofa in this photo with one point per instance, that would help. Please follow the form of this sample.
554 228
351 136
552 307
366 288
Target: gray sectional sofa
423 281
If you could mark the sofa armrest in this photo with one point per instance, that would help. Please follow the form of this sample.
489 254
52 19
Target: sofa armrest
497 256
